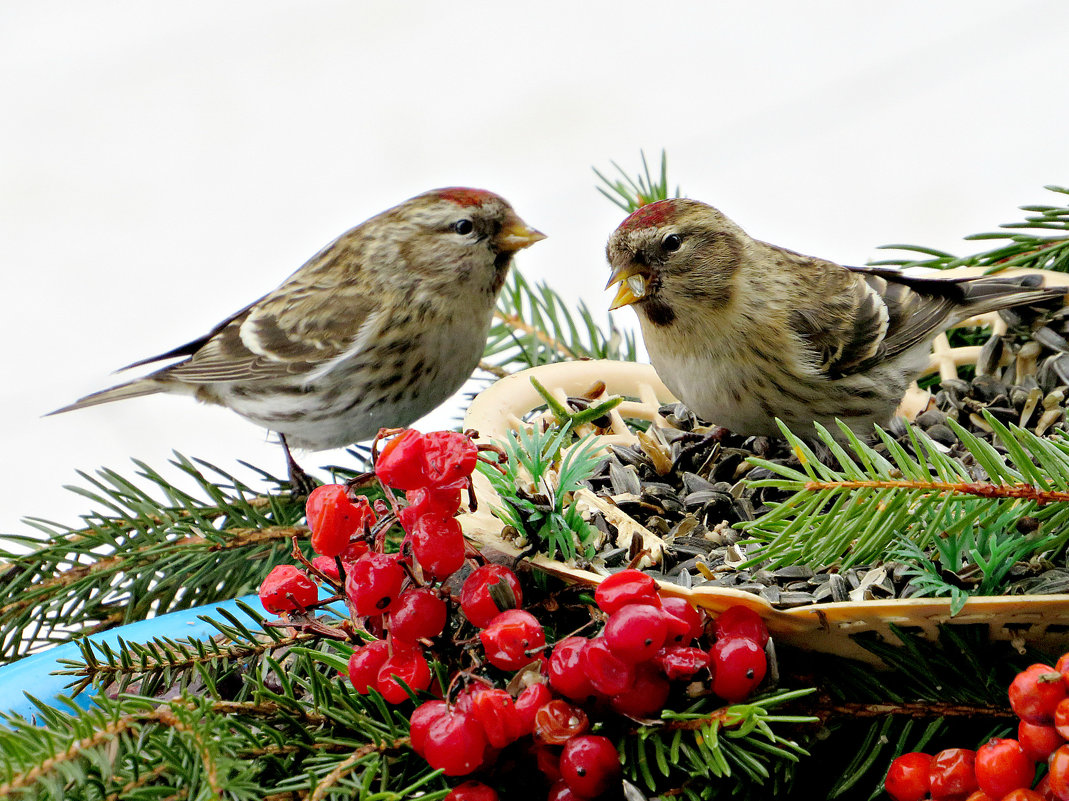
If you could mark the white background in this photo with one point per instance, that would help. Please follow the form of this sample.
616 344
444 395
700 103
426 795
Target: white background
164 163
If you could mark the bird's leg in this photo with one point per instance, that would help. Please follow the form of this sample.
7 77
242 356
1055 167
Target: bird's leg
300 482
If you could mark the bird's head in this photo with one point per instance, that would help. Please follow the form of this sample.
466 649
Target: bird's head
673 255
458 226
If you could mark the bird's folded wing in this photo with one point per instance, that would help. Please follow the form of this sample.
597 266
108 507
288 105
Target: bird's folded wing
860 316
846 324
280 337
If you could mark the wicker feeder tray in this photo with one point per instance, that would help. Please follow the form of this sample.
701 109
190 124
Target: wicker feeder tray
1041 620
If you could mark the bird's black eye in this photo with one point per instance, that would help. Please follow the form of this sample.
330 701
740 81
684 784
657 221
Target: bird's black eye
463 227
672 243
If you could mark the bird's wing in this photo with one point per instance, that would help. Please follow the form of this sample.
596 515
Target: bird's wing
320 314
861 315
283 335
847 324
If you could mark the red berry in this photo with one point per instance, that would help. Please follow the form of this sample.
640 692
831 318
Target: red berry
560 791
685 622
497 714
1062 666
444 501
590 765
1035 692
547 759
739 665
1020 794
952 773
1001 766
472 791
647 695
907 778
476 599
454 743
1061 718
333 518
449 457
424 715
513 639
364 665
681 661
1058 773
636 632
354 551
407 664
566 673
401 464
463 700
626 587
741 621
557 721
327 566
373 583
530 701
419 613
287 588
1038 742
1044 791
608 674
438 545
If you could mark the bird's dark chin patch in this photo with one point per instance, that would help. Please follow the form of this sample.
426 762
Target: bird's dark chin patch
658 312
501 269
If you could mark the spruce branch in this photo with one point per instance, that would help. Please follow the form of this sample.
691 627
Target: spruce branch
146 551
538 486
871 503
534 325
1024 250
980 490
165 662
630 193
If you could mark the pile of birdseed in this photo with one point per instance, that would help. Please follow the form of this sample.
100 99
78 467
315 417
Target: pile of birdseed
688 481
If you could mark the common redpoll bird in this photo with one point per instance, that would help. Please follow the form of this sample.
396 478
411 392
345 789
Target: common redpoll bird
744 332
375 330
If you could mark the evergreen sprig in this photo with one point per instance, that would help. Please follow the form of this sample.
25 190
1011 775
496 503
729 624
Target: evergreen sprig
1030 250
165 663
252 715
537 486
144 551
710 752
534 325
853 514
630 193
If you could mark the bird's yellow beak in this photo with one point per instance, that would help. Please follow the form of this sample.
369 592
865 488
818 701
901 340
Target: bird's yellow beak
515 235
632 279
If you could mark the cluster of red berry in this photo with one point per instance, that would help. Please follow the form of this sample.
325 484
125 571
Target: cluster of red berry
647 641
404 601
349 539
1002 769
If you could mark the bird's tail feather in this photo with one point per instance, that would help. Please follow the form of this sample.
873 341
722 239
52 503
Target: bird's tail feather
985 295
131 389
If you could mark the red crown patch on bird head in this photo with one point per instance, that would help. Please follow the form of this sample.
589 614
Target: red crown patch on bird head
651 214
463 196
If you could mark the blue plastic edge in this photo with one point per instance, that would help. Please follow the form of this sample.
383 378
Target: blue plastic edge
34 674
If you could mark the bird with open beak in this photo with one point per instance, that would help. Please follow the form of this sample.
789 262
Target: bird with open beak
744 332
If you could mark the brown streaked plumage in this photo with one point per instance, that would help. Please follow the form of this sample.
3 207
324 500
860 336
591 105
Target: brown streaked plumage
745 332
375 330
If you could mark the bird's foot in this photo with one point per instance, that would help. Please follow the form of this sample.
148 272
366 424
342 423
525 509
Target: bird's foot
301 484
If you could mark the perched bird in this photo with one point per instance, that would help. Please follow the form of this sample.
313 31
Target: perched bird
375 330
744 332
